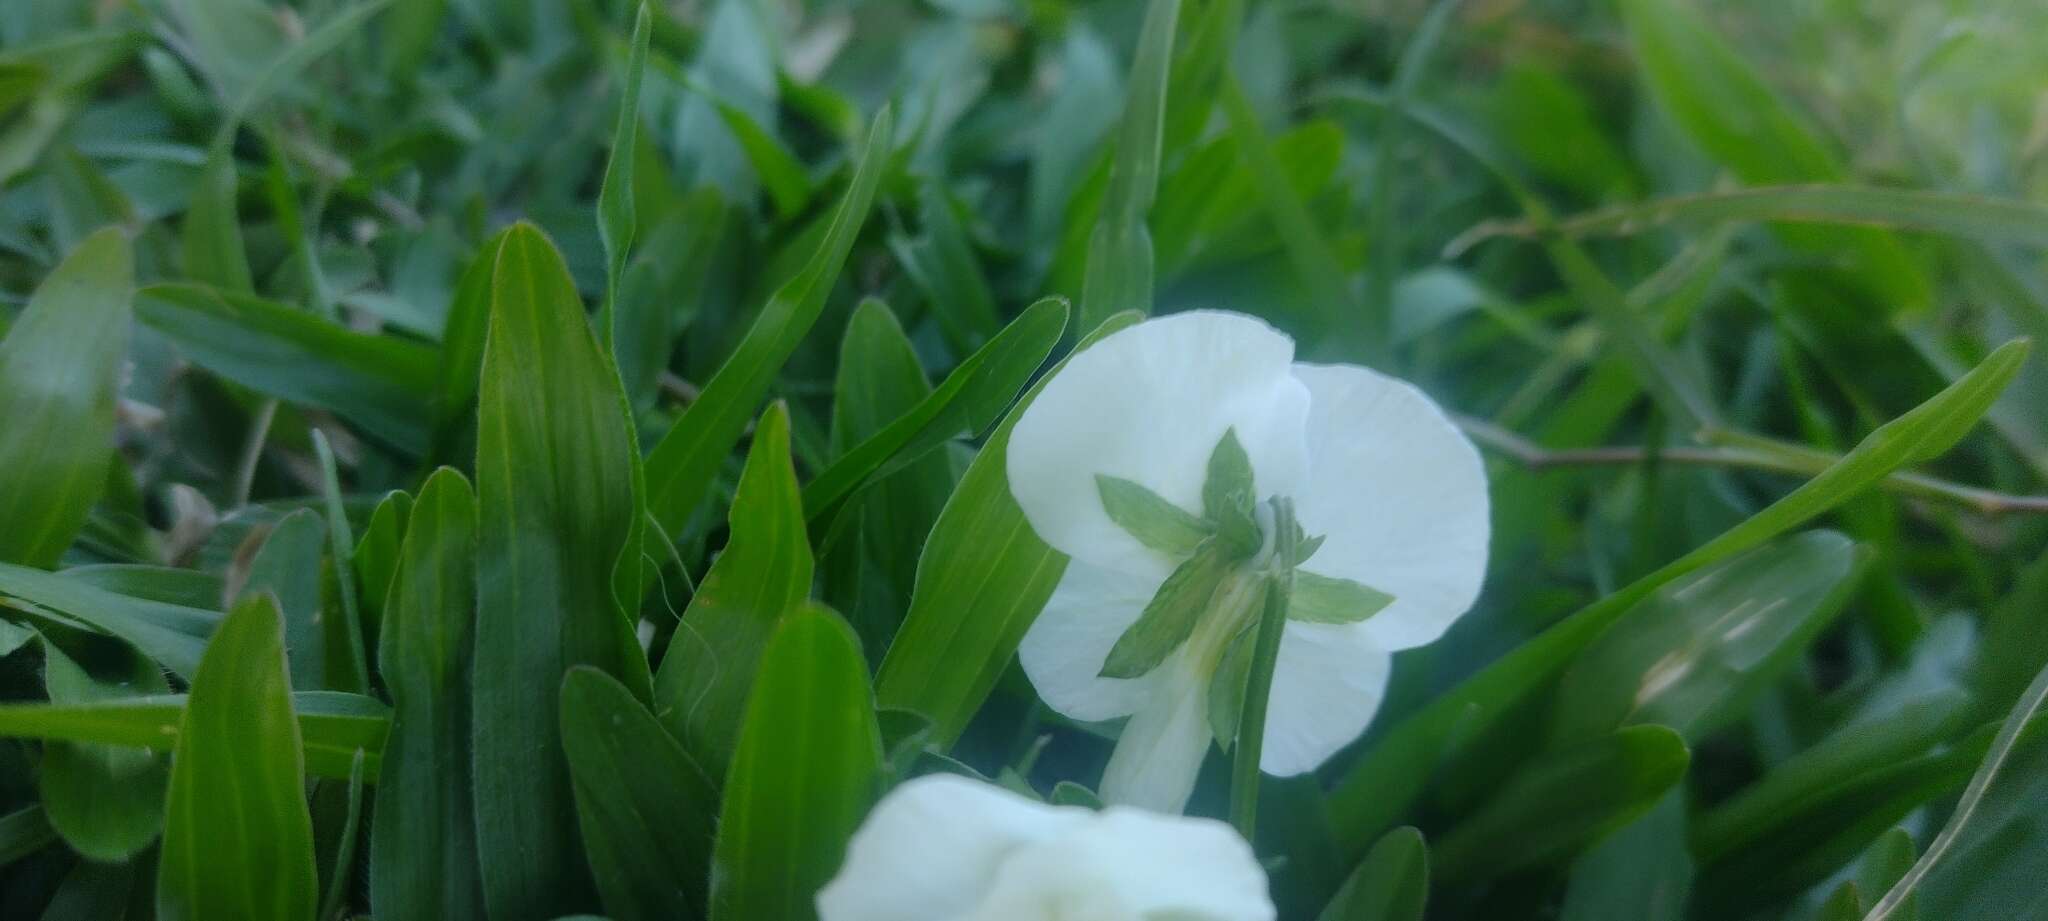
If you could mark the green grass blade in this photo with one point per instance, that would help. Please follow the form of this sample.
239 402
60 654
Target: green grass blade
556 509
764 572
58 370
380 383
647 809
1382 785
983 578
683 464
808 761
1119 273
423 857
238 839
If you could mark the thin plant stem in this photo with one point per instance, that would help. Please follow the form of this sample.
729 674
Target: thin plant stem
1251 726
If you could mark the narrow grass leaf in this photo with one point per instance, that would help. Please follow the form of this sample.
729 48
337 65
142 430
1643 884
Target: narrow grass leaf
211 238
869 574
1974 217
1556 805
381 383
1119 272
1383 783
765 571
172 635
683 464
333 725
616 219
967 402
1390 884
983 578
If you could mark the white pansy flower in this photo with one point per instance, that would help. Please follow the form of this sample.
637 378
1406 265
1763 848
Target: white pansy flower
946 848
1154 459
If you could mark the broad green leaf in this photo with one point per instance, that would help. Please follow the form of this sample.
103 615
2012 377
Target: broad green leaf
1155 522
1325 600
764 572
381 383
943 265
423 859
174 636
58 369
683 464
983 578
1641 873
106 801
1977 217
556 509
212 234
287 567
238 839
1557 805
334 726
647 809
1696 653
1170 617
1119 273
1390 884
968 401
804 774
1383 783
616 220
869 573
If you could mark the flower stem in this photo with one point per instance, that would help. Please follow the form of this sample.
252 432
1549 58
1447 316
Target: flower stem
1251 726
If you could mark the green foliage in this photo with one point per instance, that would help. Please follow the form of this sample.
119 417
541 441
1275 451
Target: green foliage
728 311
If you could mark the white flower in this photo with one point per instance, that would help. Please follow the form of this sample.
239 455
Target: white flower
1371 466
946 848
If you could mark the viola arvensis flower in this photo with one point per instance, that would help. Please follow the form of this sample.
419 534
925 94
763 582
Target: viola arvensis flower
946 848
1164 460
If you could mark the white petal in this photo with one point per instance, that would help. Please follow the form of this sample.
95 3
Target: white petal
1130 865
1159 754
1327 685
934 847
1401 495
1064 650
1148 404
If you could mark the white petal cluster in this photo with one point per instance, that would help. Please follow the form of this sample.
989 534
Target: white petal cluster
946 848
1371 464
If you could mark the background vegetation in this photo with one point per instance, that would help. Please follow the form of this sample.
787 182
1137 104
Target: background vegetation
1722 289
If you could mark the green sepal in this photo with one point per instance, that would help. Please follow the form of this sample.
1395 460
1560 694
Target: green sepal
1227 687
1172 614
1151 519
1228 495
1326 600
